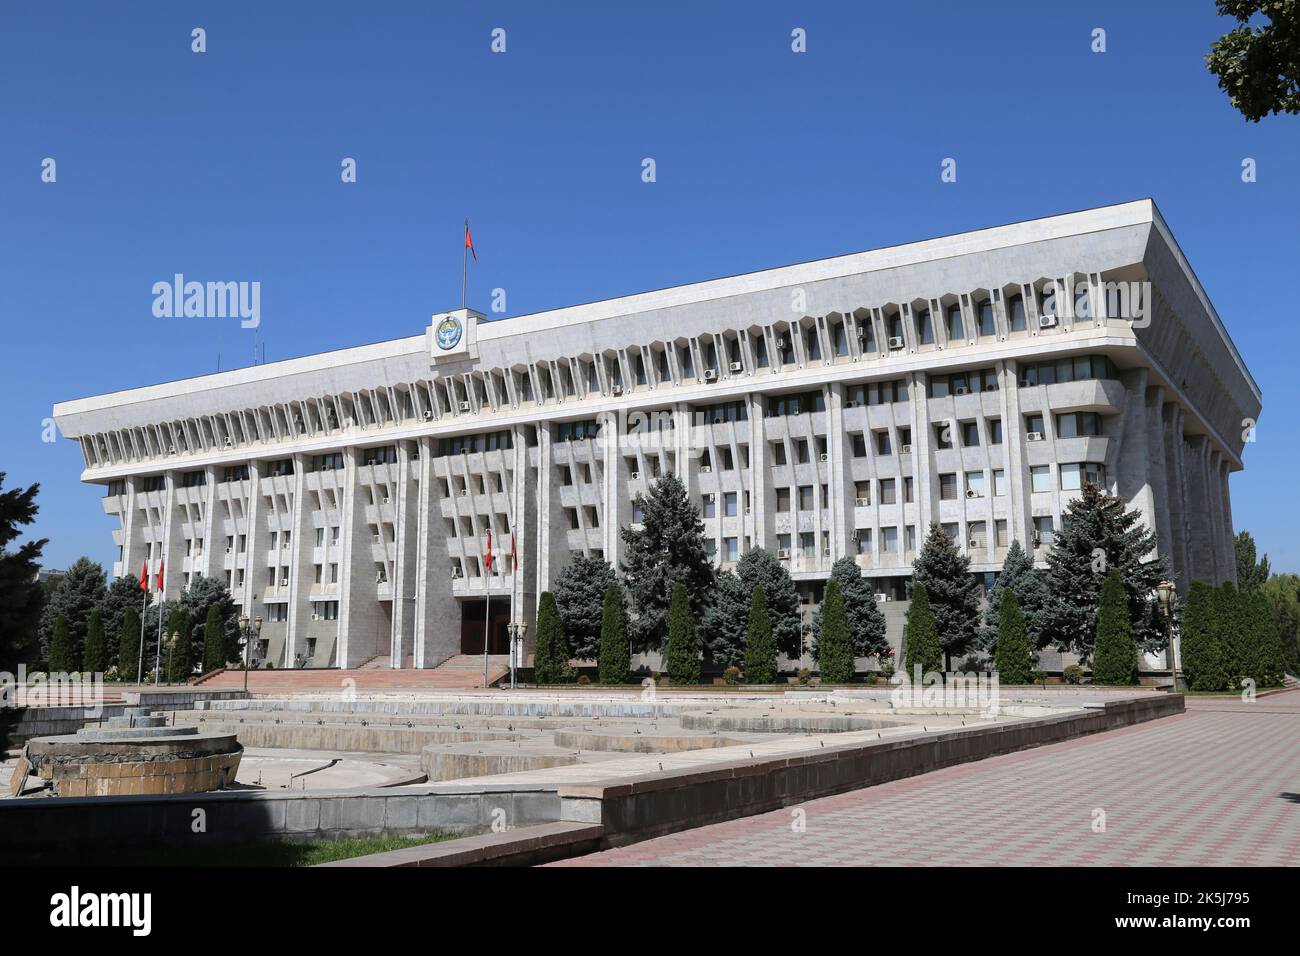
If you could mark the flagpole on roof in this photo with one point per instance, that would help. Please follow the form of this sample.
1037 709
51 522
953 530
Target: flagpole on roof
464 269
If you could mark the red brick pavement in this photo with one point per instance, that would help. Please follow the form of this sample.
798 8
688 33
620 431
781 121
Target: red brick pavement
1219 785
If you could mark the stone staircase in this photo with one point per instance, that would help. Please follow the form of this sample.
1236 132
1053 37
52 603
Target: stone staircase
462 672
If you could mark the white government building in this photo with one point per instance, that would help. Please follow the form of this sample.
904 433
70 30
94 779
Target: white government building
830 408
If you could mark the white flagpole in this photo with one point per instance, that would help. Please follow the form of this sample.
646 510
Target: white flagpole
464 270
144 605
157 665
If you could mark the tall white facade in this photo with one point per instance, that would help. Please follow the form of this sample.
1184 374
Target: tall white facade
832 408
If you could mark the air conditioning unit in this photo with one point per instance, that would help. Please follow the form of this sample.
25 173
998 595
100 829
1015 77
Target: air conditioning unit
896 342
851 403
881 598
227 550
1047 321
710 374
1025 383
794 408
864 502
456 572
976 543
905 450
826 552
464 406
783 554
1037 539
781 343
616 390
380 579
736 367
428 414
387 499
990 386
824 457
636 475
1033 436
706 469
229 443
464 492
348 423
960 390
972 493
710 497
171 449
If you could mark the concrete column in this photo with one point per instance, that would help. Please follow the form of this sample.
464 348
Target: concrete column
1013 436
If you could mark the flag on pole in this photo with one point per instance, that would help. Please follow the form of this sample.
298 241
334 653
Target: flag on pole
469 243
488 559
160 574
144 576
514 557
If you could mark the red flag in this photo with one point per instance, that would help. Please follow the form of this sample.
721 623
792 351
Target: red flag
488 560
514 558
144 576
160 574
469 243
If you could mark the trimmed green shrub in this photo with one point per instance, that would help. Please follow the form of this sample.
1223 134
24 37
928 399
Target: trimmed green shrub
760 646
835 649
551 651
1011 655
683 646
615 662
1114 658
921 637
94 655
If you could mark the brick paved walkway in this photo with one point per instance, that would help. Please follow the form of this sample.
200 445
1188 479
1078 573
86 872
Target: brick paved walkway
1219 785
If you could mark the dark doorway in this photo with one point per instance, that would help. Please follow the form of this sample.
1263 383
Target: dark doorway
472 612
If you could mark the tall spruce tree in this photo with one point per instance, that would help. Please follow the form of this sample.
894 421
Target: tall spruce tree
1012 656
1114 659
94 656
79 591
128 647
953 592
1100 535
683 658
21 595
866 623
835 649
214 647
760 566
1251 574
667 550
615 658
1201 652
921 647
580 591
551 650
760 645
723 625
1018 575
63 653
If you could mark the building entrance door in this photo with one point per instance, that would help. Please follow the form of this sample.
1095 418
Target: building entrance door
472 611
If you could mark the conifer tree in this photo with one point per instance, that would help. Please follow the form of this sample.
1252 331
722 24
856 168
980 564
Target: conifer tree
866 623
1099 535
1202 655
550 651
1231 627
760 566
921 646
667 550
760 646
21 593
1013 657
1251 574
128 647
953 593
615 661
79 591
723 625
580 597
94 659
62 657
214 647
1018 574
180 659
1114 659
683 659
835 649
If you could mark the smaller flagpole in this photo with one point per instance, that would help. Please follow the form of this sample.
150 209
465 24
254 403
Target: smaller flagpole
487 607
464 269
157 665
139 671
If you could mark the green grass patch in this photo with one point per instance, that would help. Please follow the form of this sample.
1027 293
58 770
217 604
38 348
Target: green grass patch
269 853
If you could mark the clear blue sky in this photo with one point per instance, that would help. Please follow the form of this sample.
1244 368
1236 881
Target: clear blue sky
225 166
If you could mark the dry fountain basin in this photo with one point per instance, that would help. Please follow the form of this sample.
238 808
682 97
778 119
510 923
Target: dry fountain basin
133 754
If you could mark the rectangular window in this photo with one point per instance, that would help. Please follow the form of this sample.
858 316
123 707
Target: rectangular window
977 534
1034 423
805 498
889 540
801 451
729 505
883 446
888 495
999 482
909 489
859 445
862 492
709 509
948 487
970 434
807 544
864 540
1000 529
782 500
943 436
1040 478
778 453
730 549
974 484
995 431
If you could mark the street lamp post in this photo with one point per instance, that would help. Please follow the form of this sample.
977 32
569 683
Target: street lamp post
1165 594
243 630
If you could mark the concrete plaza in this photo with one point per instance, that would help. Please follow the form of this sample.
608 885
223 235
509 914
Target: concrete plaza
1218 785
